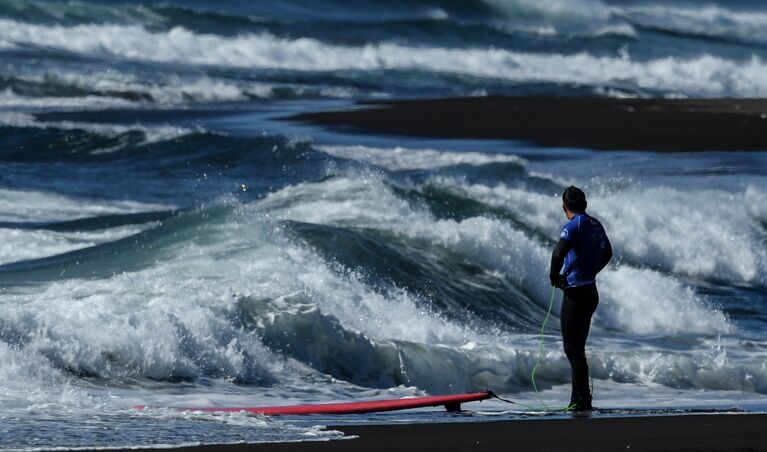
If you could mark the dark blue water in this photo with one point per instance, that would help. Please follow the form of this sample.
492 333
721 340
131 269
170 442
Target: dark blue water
167 241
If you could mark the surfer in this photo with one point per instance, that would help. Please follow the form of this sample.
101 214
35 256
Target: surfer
583 251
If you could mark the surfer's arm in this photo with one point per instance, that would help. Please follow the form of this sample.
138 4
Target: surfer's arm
608 254
558 259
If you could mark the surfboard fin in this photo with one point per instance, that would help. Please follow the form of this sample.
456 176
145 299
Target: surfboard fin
453 407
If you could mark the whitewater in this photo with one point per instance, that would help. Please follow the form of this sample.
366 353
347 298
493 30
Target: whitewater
168 241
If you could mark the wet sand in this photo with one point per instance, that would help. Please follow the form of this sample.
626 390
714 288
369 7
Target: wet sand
594 123
700 432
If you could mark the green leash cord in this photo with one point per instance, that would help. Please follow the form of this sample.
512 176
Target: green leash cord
541 350
540 356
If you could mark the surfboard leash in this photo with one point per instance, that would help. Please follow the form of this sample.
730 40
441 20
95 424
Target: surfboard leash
496 396
541 351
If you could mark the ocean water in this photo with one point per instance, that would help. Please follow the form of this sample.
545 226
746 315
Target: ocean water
166 241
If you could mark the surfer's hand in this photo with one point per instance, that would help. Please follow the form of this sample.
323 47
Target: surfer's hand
559 281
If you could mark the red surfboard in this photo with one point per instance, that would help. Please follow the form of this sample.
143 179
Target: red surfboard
452 403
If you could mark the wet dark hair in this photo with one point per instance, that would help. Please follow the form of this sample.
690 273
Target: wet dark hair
574 199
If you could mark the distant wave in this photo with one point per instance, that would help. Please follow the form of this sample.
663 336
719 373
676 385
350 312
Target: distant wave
704 75
116 89
403 158
580 18
709 21
575 18
218 16
215 53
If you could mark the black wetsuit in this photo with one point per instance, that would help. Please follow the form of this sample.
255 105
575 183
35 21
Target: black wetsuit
582 251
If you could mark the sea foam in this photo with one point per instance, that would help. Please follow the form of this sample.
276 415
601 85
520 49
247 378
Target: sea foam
502 248
400 158
675 235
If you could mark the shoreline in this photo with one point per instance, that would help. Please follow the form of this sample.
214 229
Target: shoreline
692 432
661 125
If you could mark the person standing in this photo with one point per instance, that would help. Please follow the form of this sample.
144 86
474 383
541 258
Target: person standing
582 251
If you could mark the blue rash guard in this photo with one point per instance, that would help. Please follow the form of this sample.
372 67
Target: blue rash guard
589 250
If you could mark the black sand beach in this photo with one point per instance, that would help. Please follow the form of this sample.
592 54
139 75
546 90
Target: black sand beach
594 123
701 432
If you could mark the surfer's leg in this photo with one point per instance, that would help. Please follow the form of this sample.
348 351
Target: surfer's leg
569 328
578 306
